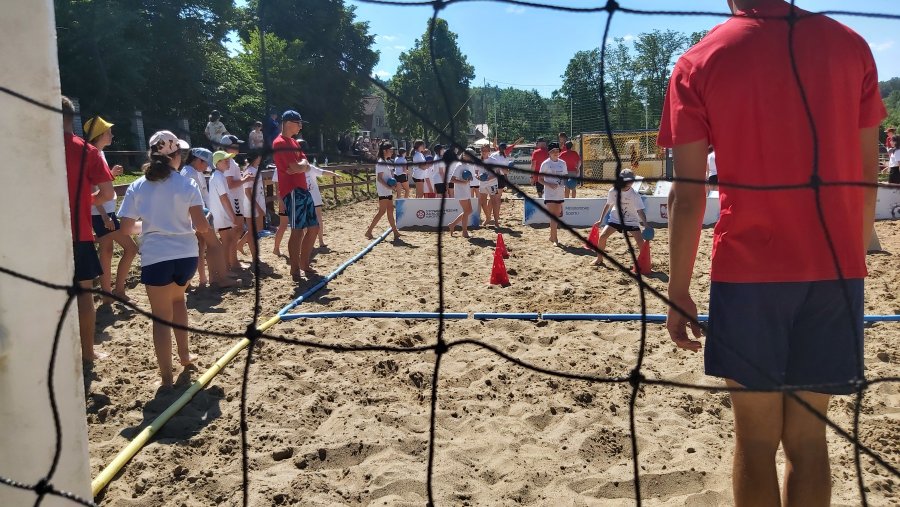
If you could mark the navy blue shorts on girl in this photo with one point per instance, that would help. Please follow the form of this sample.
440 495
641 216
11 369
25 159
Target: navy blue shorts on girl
768 335
100 229
160 274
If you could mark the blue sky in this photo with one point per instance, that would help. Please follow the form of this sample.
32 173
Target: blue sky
529 48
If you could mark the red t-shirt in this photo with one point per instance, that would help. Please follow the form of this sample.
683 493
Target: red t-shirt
286 151
95 171
736 90
538 157
571 158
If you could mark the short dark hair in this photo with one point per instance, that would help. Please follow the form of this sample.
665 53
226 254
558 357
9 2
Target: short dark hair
563 134
569 145
68 108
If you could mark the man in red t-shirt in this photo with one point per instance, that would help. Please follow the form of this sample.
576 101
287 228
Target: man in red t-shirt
85 169
780 311
538 156
573 162
292 166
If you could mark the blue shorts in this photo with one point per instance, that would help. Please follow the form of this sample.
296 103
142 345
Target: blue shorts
767 335
301 210
87 264
160 274
100 229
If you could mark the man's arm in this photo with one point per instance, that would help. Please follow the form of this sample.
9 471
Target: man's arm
687 203
298 167
868 147
105 192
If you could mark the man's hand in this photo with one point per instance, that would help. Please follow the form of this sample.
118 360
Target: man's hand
116 170
677 324
108 223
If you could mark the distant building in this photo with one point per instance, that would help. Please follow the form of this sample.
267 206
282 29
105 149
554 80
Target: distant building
374 118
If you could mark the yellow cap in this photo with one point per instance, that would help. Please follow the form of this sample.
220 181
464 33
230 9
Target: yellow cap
95 127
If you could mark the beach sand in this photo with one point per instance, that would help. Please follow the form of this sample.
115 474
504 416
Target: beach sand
328 428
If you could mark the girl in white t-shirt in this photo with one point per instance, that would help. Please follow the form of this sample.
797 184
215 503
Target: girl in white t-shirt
282 218
383 176
712 174
211 255
420 170
401 174
632 211
488 186
500 166
222 210
215 130
553 173
254 208
438 170
462 174
312 180
171 208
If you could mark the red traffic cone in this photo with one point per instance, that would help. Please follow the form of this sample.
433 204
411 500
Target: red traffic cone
593 237
501 246
499 276
644 266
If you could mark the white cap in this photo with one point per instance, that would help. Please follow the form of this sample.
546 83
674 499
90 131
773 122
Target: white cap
165 142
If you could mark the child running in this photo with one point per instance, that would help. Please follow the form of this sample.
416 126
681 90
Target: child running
626 219
105 222
552 174
383 186
170 206
462 175
211 255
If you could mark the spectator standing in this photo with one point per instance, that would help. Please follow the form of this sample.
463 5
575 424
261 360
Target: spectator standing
573 166
170 207
255 138
538 156
292 166
85 168
894 161
797 321
215 129
105 222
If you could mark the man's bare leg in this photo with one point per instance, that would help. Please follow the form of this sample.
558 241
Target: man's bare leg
758 422
807 472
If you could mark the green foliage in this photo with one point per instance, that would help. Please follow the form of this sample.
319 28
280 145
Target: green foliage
416 84
168 59
892 103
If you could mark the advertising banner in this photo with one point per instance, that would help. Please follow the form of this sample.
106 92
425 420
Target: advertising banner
425 212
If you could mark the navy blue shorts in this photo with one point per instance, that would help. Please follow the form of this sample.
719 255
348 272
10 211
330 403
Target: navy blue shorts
163 273
301 210
87 264
767 335
100 229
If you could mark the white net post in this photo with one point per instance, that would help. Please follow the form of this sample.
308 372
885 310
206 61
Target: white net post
36 241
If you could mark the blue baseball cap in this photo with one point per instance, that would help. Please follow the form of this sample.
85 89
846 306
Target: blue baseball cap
203 154
291 115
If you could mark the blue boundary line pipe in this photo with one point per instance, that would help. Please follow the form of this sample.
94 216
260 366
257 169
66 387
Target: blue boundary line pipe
511 316
331 276
615 317
374 315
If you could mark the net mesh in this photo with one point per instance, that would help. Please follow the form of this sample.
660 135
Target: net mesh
639 148
636 380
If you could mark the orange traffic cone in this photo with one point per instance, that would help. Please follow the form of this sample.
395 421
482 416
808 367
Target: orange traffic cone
501 246
644 266
593 237
499 276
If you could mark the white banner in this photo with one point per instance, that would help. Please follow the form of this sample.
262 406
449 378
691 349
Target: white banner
577 212
584 212
424 212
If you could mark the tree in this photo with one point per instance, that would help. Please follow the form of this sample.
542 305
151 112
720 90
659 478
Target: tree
654 61
581 86
328 62
626 111
416 85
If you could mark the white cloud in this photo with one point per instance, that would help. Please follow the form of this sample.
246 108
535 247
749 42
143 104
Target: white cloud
381 73
628 38
515 9
400 48
386 38
883 46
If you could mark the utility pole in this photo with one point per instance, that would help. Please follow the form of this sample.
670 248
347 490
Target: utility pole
571 122
646 130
